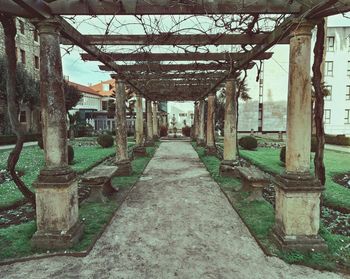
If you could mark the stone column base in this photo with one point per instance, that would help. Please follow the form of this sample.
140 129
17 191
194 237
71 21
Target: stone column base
229 168
56 193
124 168
140 151
200 142
149 143
210 151
297 215
302 243
58 239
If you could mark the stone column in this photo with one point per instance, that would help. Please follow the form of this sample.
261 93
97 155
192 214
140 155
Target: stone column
140 149
149 140
298 192
155 120
201 123
121 139
210 145
56 188
195 129
230 162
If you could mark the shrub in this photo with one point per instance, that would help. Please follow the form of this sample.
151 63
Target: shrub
186 131
248 142
70 155
163 131
283 154
338 139
105 140
11 139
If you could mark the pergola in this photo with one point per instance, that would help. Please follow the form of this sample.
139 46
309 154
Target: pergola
298 192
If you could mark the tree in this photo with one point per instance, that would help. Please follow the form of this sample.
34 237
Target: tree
220 104
72 95
9 24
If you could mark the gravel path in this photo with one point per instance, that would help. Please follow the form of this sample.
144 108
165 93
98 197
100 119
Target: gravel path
176 223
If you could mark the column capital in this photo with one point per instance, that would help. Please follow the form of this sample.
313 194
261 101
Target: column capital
304 28
48 26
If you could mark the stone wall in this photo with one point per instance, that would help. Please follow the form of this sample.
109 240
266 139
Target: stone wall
24 41
275 116
248 115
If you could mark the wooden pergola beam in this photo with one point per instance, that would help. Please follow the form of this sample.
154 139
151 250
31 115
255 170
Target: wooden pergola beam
280 32
143 7
175 39
43 11
146 56
167 76
158 7
169 67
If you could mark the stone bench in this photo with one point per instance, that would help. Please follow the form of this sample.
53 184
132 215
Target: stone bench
99 180
254 180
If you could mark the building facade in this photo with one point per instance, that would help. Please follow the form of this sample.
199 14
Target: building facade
28 56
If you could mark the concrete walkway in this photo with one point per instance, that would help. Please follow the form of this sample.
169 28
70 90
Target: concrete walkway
176 223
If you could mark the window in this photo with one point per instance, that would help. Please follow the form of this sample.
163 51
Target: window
23 56
36 35
327 116
329 95
104 105
348 68
23 117
347 116
21 27
36 62
183 114
330 44
347 94
329 68
105 87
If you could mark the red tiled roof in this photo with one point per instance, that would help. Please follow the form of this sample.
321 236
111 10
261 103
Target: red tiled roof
83 88
99 88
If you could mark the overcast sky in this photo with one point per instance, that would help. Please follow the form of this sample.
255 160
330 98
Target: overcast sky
88 72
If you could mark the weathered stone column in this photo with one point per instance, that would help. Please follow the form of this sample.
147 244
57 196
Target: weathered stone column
149 140
139 150
121 139
210 144
201 123
139 121
230 162
56 188
155 120
298 192
195 130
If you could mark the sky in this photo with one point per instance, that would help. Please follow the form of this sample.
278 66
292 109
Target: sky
88 73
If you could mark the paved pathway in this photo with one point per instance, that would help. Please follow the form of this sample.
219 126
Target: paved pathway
176 223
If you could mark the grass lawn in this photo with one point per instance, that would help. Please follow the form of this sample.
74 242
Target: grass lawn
259 217
15 240
335 195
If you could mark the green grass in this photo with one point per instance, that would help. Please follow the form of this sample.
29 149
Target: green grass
15 240
335 162
32 160
259 217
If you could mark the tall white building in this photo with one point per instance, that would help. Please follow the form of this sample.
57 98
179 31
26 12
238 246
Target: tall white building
337 80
